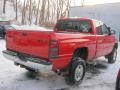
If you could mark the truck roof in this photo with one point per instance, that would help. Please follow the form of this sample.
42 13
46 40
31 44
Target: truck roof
80 18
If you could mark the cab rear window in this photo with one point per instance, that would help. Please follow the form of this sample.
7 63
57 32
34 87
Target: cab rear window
74 25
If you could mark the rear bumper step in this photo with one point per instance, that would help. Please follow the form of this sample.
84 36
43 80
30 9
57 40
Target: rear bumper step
31 62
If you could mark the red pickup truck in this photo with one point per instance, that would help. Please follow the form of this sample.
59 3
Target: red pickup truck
72 43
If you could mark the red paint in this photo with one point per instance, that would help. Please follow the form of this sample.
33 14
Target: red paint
37 43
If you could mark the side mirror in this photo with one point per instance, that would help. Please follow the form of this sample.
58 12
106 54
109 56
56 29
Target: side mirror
113 32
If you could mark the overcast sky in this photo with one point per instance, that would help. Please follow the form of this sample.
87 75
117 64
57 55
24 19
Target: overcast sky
93 2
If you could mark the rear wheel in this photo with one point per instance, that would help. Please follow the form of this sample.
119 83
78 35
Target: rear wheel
76 71
112 56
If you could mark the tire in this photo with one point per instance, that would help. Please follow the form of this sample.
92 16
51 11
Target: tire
112 56
76 71
117 84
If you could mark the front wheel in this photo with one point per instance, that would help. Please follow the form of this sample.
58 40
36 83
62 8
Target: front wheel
112 56
76 71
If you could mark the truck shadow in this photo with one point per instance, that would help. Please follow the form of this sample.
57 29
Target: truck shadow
93 70
52 81
55 82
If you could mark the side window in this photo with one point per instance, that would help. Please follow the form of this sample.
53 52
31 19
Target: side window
105 29
98 28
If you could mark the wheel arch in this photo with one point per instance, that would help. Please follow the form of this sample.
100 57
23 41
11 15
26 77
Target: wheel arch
81 52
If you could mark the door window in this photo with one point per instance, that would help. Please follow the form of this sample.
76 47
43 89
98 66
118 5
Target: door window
98 28
105 30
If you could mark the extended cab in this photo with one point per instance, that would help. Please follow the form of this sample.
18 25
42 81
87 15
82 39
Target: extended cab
72 43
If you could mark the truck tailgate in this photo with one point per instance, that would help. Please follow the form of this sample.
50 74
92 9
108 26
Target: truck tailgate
35 43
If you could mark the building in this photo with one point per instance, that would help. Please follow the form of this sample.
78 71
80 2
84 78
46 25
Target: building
108 13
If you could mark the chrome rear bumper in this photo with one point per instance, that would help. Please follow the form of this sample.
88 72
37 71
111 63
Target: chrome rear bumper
34 63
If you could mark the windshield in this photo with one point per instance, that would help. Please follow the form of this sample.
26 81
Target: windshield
74 25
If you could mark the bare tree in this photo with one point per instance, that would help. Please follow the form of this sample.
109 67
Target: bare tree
42 12
4 6
38 6
82 3
30 6
14 4
48 10
53 10
16 10
23 12
66 11
62 8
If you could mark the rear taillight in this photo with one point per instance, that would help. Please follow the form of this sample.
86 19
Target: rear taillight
54 49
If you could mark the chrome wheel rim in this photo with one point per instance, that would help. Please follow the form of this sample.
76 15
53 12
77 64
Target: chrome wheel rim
79 72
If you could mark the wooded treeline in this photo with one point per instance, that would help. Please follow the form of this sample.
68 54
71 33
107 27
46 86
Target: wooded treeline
39 12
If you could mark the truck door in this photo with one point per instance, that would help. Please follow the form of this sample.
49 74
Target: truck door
108 40
100 40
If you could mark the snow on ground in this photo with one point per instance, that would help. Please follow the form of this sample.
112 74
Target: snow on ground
101 76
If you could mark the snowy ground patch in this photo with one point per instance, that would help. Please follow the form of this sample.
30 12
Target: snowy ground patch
101 76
